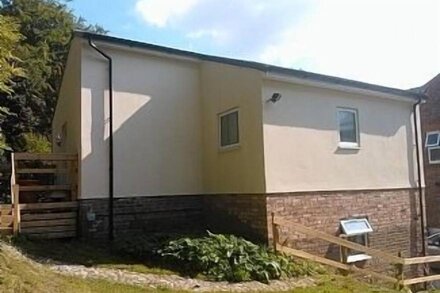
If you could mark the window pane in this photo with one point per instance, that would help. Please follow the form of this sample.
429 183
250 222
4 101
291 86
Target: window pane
432 139
229 129
434 154
356 226
347 126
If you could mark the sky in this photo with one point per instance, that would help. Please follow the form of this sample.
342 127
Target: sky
393 43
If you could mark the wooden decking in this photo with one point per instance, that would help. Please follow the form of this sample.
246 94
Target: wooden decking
45 205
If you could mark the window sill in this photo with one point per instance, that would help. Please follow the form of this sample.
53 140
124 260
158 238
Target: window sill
348 146
358 257
229 148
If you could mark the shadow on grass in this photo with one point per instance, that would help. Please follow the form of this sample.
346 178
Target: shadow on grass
136 255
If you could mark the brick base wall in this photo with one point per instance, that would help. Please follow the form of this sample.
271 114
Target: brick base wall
392 213
243 215
134 215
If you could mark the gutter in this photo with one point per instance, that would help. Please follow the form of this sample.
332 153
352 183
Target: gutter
110 159
419 176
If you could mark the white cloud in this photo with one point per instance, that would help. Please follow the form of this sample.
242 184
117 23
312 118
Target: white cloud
393 42
159 12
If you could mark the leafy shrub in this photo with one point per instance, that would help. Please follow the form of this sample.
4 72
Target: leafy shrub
36 143
231 258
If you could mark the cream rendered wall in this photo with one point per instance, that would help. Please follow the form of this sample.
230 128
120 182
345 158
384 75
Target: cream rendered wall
301 141
157 126
240 169
68 107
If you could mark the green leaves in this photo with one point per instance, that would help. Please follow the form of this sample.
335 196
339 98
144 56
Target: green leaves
9 63
34 44
230 258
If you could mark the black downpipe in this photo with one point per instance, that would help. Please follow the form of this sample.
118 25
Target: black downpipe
419 176
110 164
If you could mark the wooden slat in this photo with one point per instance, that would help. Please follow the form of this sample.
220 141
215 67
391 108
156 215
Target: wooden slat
48 216
45 187
53 235
339 241
45 157
421 280
34 230
40 171
16 213
6 219
422 259
49 205
315 258
48 223
335 264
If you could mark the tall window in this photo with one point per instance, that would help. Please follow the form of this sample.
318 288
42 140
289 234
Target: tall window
228 128
348 127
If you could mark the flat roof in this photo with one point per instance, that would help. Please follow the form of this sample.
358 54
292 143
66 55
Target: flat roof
267 68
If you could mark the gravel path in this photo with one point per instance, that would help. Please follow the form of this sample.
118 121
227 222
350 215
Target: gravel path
177 282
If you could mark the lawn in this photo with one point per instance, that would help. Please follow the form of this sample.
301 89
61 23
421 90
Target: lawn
18 274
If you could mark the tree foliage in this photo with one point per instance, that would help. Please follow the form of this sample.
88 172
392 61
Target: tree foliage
46 27
9 38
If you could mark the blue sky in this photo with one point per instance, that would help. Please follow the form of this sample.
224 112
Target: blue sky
388 42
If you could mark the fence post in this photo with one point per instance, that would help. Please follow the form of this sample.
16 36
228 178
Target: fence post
399 273
275 234
16 204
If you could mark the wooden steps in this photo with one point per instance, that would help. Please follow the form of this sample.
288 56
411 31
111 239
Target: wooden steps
49 220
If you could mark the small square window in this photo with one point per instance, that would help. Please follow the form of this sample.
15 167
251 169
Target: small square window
354 227
434 155
356 230
432 139
229 128
348 127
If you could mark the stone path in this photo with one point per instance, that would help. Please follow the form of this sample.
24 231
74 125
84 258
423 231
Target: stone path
177 282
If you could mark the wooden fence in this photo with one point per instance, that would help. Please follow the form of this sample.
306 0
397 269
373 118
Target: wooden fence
399 262
52 217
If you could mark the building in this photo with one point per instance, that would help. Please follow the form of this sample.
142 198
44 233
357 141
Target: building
430 118
203 142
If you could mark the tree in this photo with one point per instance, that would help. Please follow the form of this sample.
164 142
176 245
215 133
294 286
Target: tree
47 27
9 38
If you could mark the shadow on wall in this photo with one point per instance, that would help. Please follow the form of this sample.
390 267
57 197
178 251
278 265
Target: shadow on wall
156 132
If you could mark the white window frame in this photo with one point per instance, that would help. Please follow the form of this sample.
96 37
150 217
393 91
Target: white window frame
429 155
369 229
356 257
219 122
345 144
438 139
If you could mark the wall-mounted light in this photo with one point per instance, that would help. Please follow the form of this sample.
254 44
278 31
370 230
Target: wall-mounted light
58 139
275 97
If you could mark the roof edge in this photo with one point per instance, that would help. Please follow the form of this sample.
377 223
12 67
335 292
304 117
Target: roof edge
266 68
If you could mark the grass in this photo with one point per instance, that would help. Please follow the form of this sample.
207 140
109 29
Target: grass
90 255
18 274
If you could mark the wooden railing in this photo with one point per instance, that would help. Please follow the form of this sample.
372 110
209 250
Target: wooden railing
47 219
399 262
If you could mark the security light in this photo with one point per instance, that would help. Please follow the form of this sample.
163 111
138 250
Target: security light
275 97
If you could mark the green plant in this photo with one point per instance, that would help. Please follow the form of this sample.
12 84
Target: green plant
231 258
36 143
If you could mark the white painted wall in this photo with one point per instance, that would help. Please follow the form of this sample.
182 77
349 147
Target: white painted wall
157 125
166 129
301 141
